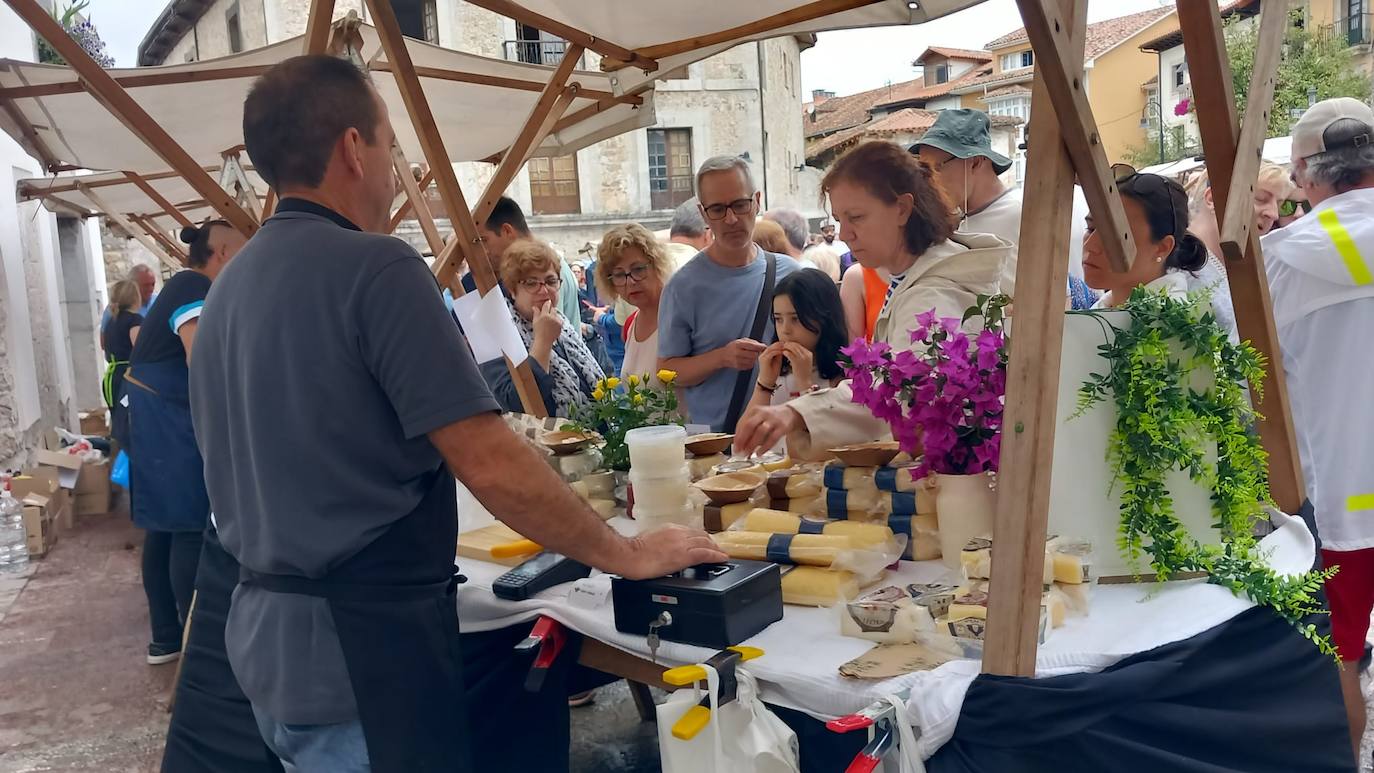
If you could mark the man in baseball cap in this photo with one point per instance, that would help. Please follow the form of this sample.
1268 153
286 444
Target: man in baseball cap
1321 278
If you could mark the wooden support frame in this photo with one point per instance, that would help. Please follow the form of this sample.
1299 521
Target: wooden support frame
269 205
138 81
45 153
550 106
422 118
406 205
1239 217
1048 29
150 227
134 231
157 198
1205 48
415 196
1023 486
131 114
317 25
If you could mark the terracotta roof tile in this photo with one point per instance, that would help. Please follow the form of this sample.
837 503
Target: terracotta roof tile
1175 38
839 113
1102 35
1015 88
907 121
955 53
914 91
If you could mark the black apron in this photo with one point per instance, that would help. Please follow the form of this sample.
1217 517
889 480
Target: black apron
396 613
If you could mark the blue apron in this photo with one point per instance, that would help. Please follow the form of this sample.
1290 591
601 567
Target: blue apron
167 475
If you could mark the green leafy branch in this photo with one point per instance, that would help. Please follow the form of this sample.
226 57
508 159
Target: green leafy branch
1179 386
614 411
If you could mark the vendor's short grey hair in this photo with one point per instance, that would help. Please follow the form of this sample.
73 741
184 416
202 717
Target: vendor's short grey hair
793 224
725 164
687 220
1346 166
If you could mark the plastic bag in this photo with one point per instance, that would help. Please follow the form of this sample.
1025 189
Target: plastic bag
119 471
743 736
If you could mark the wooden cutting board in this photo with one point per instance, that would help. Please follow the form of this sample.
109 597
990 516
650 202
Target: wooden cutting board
479 542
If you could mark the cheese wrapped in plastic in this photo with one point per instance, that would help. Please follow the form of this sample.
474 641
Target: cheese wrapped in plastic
600 483
778 522
1073 561
814 586
923 535
976 560
702 466
840 503
572 467
1078 597
606 508
794 483
896 615
809 549
845 478
898 478
813 505
975 628
716 518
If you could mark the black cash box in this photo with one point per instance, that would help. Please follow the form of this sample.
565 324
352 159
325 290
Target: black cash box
712 605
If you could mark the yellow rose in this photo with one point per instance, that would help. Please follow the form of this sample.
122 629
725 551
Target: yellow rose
667 376
597 394
638 399
612 382
634 380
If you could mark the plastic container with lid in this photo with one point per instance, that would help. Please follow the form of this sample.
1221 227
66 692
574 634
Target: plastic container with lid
657 452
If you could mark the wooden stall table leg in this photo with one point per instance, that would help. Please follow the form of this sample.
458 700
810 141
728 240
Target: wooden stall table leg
644 700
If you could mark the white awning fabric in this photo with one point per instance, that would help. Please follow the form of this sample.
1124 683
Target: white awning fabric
645 24
117 192
480 105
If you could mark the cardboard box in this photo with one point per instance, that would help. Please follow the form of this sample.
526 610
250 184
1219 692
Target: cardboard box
93 495
95 423
38 523
68 466
62 511
39 480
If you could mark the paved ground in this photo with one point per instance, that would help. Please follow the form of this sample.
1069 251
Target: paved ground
76 696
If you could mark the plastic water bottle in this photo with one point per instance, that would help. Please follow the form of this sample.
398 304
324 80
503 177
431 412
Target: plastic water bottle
14 540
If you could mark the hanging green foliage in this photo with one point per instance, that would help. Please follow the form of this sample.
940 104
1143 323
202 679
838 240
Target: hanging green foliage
1170 415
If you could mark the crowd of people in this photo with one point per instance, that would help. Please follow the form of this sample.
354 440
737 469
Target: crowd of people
309 388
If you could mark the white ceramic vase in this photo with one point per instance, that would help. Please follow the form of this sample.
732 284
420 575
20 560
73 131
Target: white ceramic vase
965 506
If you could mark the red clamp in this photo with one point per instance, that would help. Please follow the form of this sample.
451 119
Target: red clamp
547 637
872 754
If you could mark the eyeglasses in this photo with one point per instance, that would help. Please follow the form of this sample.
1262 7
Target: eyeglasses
740 207
636 272
1148 184
532 284
1291 207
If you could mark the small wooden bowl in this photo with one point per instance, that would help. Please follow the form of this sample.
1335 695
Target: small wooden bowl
562 443
731 487
708 443
874 454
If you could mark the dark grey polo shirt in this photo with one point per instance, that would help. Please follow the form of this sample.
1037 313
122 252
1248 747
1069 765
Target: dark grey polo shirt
323 356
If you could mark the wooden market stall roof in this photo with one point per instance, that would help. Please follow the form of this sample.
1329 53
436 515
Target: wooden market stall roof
479 106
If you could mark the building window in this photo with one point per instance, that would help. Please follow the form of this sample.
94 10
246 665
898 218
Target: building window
942 73
418 19
1016 107
553 186
231 20
670 167
1179 74
1018 60
535 47
1150 116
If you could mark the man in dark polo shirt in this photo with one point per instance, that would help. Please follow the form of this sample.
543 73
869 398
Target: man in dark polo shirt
334 403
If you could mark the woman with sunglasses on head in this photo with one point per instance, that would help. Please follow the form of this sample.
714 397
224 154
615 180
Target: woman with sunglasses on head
1271 190
1157 214
564 368
894 216
634 266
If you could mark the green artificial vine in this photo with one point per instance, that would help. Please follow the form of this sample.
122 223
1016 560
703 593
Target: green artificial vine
1169 415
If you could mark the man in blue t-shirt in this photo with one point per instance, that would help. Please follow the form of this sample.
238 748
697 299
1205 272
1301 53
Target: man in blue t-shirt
708 309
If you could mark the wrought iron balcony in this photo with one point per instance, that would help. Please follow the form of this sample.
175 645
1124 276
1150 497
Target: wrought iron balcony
547 52
1356 30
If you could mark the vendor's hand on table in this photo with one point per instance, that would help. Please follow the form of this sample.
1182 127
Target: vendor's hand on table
761 428
548 324
666 550
741 353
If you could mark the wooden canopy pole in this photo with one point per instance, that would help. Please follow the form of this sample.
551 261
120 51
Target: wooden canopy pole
122 106
269 204
1048 30
1205 48
137 233
173 248
138 81
317 26
416 198
403 211
1028 425
422 118
158 198
1239 217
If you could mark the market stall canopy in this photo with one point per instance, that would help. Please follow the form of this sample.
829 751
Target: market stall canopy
87 194
479 104
656 37
1278 150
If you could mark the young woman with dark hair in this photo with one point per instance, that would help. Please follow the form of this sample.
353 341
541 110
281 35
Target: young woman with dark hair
1157 214
809 318
893 216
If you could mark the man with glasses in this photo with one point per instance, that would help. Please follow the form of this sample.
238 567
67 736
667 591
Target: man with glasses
1321 279
707 330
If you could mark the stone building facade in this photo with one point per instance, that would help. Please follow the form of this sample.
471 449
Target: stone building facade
742 101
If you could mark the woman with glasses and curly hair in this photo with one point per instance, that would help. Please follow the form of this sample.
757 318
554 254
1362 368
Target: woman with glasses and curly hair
564 368
1157 214
633 265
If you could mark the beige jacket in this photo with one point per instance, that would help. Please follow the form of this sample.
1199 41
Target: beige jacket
947 278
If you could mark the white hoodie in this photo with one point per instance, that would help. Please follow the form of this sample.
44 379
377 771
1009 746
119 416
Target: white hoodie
1323 293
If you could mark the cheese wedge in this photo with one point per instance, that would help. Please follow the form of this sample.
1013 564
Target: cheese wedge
1073 563
813 586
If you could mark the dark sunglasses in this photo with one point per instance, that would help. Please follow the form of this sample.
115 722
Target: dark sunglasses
1291 207
1147 184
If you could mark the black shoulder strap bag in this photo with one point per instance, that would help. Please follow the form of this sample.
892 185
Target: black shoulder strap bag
745 380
